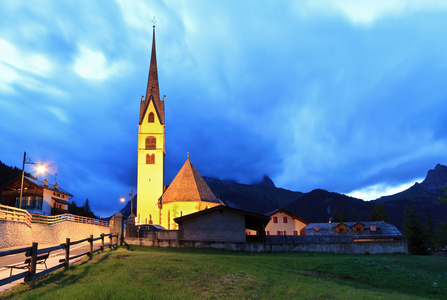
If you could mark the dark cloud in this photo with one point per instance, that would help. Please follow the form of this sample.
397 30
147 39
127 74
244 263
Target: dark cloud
314 98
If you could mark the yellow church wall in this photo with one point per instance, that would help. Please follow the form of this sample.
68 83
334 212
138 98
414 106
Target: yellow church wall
173 210
150 176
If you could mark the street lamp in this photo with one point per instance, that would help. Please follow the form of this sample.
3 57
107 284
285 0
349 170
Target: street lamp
40 169
131 200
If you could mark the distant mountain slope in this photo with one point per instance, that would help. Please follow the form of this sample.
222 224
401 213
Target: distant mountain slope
318 205
256 198
420 195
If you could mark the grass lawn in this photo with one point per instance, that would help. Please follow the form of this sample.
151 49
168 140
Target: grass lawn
169 273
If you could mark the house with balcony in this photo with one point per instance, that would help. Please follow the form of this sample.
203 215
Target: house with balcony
38 197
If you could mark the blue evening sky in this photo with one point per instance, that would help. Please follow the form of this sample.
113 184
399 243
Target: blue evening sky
347 96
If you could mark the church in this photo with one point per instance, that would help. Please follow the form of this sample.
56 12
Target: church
188 192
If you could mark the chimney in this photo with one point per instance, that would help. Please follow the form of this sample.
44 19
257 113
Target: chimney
56 186
45 183
330 220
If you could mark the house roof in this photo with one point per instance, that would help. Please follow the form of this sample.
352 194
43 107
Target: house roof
152 89
188 186
383 230
252 220
16 182
285 211
50 186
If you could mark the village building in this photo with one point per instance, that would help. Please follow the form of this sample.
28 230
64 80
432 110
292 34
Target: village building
359 231
283 222
188 192
221 224
39 197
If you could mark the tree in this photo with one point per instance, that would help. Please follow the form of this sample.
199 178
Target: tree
83 210
343 217
430 229
441 235
443 198
336 216
414 232
379 213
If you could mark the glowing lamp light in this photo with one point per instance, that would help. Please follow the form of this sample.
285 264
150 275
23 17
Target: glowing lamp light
41 169
122 199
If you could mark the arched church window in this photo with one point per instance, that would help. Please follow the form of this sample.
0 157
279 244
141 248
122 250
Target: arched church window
150 118
151 142
150 159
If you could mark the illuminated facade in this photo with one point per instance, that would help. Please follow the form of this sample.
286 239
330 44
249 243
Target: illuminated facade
188 192
151 148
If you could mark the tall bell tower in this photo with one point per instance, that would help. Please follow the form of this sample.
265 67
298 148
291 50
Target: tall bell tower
151 148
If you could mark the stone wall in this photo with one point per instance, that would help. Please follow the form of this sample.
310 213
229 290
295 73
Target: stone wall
215 226
57 233
15 234
381 247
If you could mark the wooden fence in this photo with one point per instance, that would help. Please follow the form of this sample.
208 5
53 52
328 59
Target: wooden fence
50 220
31 275
15 214
21 215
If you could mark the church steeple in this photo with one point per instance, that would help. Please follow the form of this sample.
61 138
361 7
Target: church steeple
151 148
152 90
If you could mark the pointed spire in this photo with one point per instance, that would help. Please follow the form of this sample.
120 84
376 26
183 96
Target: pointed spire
152 90
152 81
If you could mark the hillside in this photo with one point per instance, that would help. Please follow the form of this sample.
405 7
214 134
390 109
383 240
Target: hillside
318 205
420 195
259 198
8 173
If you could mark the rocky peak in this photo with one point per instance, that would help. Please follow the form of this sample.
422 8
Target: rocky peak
435 178
266 181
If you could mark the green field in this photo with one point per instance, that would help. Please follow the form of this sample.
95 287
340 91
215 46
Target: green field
168 273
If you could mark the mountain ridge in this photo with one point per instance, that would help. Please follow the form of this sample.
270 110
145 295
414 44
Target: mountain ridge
320 205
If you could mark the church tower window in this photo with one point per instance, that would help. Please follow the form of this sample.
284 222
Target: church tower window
150 118
151 143
150 159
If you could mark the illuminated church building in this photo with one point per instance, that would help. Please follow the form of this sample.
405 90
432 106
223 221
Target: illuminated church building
188 192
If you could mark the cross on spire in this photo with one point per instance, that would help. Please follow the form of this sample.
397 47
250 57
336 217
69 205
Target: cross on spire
154 21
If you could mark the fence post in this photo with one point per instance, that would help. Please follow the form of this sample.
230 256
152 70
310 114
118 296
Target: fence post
110 243
102 242
91 244
32 269
67 253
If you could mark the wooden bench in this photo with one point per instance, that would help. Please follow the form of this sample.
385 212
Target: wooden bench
41 260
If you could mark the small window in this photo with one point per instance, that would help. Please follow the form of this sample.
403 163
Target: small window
357 229
150 118
284 220
279 233
150 159
295 232
267 232
275 220
151 143
285 233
